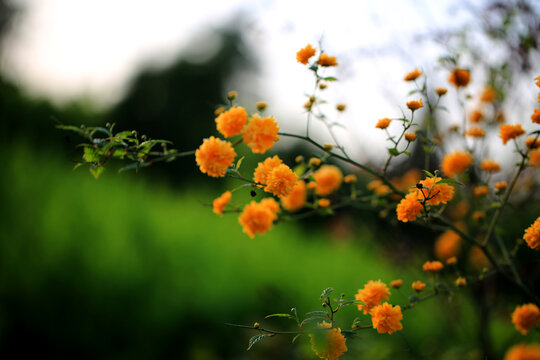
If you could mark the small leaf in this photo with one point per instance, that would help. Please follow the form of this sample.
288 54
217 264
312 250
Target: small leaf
428 173
239 162
317 313
326 292
124 134
288 316
329 78
393 151
448 181
406 153
255 339
90 154
96 171
311 319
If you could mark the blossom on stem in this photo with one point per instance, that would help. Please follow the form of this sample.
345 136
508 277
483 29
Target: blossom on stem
456 163
221 202
509 132
214 156
260 134
232 121
328 179
373 293
386 318
525 317
303 55
532 235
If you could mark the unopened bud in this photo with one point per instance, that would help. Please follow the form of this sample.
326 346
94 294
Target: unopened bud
328 147
261 105
232 95
256 325
299 159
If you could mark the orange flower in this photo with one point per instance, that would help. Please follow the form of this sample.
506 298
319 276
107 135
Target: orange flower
532 143
303 55
456 163
475 132
537 81
260 133
488 95
435 194
341 107
410 137
220 202
325 60
296 198
490 165
441 91
232 121
323 203
328 344
461 282
214 156
509 132
413 75
534 158
379 188
432 266
523 352
500 186
265 168
481 190
460 77
281 180
386 318
532 235
535 117
476 116
451 261
396 284
415 104
477 258
373 293
447 245
350 179
328 179
499 116
409 208
418 286
258 217
383 123
526 317
479 215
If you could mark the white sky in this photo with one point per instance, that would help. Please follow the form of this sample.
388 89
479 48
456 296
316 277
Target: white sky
65 49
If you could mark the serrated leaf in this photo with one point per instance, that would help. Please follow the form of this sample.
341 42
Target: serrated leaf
311 319
393 151
255 339
288 316
326 292
96 171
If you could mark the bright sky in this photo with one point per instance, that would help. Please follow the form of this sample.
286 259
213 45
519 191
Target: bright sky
65 49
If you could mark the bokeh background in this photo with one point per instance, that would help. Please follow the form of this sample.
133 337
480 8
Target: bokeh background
137 266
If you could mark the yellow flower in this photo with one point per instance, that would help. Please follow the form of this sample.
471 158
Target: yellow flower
383 123
418 286
413 75
314 162
509 132
260 133
475 132
432 266
258 217
447 245
410 137
490 165
221 202
373 293
456 163
415 104
296 198
435 194
523 352
214 156
409 208
303 55
325 60
232 121
328 344
281 180
460 77
328 179
386 318
532 235
526 317
264 168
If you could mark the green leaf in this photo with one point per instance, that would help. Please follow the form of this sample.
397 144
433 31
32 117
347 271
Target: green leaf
239 162
255 339
326 292
329 78
96 171
448 181
312 319
428 173
288 316
76 129
393 151
77 165
317 313
90 154
124 134
119 153
406 153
